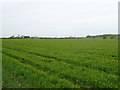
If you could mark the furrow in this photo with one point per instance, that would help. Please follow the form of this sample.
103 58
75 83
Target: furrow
47 70
22 69
95 72
65 60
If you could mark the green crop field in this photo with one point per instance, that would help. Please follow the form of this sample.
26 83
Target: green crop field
60 63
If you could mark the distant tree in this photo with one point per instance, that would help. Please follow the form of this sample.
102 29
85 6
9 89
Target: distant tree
26 36
104 37
88 36
12 36
112 37
118 36
93 36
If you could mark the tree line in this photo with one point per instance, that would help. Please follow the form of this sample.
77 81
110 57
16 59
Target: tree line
104 36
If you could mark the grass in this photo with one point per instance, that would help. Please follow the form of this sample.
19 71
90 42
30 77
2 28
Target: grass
60 63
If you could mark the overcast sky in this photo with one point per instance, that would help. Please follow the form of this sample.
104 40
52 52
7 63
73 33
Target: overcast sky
59 17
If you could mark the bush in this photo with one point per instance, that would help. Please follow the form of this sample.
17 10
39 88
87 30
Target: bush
104 37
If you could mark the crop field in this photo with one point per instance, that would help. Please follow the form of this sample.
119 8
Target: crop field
60 63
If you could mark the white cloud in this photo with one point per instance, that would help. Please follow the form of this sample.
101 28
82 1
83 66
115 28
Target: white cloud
59 17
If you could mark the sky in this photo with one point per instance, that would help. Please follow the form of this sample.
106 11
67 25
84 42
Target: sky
58 17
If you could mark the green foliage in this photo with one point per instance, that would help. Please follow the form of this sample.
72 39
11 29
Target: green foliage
60 63
112 37
104 37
